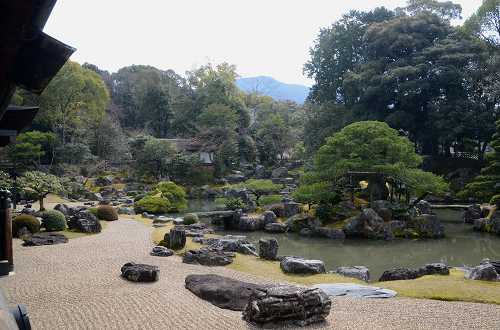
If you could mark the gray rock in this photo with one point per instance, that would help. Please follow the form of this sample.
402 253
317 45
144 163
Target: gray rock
283 306
355 290
397 274
483 272
44 239
383 209
176 238
423 207
298 265
126 210
290 209
275 227
306 232
221 291
367 225
330 233
427 226
64 209
249 224
232 244
359 272
434 269
472 213
28 210
280 172
268 249
140 272
269 217
161 251
162 219
84 221
235 178
208 257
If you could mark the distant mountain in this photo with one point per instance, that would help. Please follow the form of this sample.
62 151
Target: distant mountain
276 89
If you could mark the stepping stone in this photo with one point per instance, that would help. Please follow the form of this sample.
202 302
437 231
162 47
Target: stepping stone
355 290
140 272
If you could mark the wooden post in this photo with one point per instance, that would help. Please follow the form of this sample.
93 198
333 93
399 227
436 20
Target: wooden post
6 232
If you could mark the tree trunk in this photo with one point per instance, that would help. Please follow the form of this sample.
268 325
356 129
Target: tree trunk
40 199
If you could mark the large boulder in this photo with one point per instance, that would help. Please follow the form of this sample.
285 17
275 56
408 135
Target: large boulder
298 265
247 223
291 209
268 249
472 213
221 291
359 272
355 290
140 272
427 226
175 239
383 209
434 269
423 207
283 306
275 227
298 222
331 233
84 221
44 239
367 225
484 272
208 257
268 217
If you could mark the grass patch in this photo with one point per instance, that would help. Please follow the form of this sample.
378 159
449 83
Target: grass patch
449 288
270 199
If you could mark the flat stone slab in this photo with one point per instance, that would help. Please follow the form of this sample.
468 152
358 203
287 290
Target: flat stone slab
140 272
45 239
355 290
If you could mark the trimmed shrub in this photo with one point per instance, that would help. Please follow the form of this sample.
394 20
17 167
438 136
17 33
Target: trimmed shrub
495 200
235 204
174 193
190 218
107 213
53 220
25 220
152 204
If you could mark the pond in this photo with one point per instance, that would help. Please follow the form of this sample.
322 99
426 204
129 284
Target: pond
462 246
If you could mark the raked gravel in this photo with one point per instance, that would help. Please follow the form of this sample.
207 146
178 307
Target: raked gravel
78 286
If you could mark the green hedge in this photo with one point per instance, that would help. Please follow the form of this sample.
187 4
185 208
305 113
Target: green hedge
25 220
53 220
152 204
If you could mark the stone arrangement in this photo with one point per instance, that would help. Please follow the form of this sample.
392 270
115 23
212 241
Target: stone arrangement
140 272
281 306
486 271
221 291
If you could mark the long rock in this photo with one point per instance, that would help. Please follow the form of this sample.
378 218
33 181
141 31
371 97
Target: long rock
221 291
283 306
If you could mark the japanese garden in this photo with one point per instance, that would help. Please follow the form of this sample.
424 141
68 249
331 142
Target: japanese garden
376 197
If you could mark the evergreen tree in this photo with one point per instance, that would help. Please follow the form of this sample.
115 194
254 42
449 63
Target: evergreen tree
486 186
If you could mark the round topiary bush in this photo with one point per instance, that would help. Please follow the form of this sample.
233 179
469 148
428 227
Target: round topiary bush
25 220
53 220
190 218
152 204
107 213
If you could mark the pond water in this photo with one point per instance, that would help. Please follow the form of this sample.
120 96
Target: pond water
462 246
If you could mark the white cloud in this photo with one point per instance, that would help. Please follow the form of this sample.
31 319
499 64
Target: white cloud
262 37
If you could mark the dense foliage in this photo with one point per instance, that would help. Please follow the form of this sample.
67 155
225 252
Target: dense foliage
106 213
25 220
40 184
53 220
152 204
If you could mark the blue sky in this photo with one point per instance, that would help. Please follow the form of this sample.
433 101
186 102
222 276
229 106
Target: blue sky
261 37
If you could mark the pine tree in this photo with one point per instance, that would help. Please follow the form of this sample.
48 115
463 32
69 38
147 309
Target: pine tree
486 186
